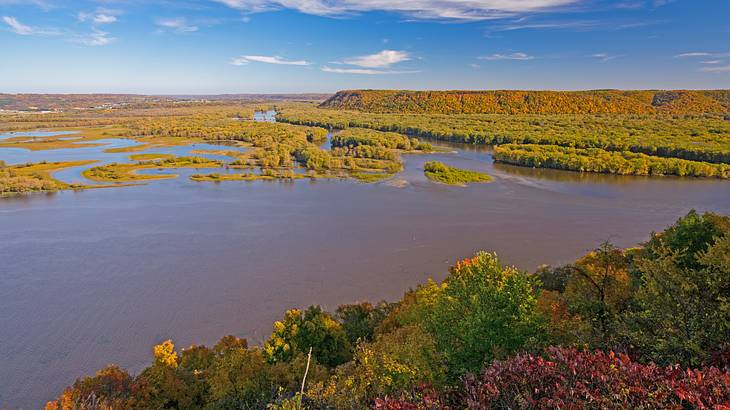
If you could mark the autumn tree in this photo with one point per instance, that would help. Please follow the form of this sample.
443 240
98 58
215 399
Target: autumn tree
313 328
683 303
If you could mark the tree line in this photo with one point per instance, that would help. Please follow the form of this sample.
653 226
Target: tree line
531 102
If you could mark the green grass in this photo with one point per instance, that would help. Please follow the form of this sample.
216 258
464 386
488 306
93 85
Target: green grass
36 177
370 177
440 172
245 177
150 157
128 172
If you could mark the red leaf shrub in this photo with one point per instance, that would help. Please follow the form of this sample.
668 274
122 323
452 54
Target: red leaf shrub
574 379
424 398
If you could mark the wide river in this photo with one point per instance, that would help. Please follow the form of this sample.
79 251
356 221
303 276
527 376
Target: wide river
99 276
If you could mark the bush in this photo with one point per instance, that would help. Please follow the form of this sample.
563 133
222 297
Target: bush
313 328
481 311
570 378
682 312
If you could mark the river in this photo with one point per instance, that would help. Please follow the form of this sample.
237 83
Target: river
95 277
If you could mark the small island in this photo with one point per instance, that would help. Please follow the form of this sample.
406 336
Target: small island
439 172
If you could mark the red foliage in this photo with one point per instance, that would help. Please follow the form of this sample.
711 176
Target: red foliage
574 379
425 398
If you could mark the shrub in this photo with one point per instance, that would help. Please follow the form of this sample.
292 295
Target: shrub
482 311
313 328
570 378
682 312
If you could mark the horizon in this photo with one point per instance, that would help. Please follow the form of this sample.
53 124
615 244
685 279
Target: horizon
223 47
366 89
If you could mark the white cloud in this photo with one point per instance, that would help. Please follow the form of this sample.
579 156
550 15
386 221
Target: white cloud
694 54
17 27
95 38
419 9
385 58
97 18
513 56
606 57
365 71
178 24
581 25
712 62
24 30
244 60
720 69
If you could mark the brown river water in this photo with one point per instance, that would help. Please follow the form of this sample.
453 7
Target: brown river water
96 277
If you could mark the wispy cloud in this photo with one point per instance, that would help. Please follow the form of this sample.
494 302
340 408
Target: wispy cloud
97 18
513 56
94 39
177 24
604 57
720 69
580 25
366 71
693 54
712 62
463 10
244 60
17 27
702 54
528 23
385 58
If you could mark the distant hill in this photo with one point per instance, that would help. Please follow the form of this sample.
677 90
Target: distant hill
532 102
55 102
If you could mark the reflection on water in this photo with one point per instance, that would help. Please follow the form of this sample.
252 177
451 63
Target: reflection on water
99 276
35 134
265 116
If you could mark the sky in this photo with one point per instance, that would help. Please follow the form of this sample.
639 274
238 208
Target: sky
321 46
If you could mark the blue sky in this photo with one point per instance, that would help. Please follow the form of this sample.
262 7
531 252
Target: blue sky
265 46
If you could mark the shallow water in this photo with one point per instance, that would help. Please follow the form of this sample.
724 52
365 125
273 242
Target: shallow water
99 276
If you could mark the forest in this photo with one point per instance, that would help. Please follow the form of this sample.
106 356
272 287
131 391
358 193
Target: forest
367 146
644 327
676 102
628 144
602 161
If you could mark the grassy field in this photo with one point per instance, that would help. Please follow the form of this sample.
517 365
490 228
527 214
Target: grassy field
440 172
129 172
35 177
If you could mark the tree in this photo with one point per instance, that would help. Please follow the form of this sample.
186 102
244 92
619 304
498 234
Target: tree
683 302
111 388
313 328
360 320
241 378
483 311
600 290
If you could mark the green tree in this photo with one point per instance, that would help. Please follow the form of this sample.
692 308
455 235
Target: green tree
483 311
360 320
683 303
313 328
241 378
599 290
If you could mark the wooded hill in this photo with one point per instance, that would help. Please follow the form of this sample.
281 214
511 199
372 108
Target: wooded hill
680 102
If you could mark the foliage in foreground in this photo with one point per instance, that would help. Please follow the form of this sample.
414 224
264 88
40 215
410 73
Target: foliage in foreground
564 378
440 172
571 378
480 339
